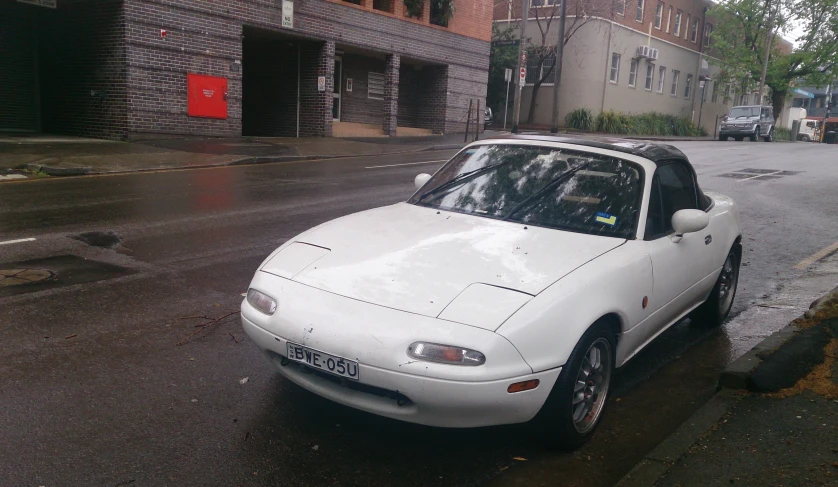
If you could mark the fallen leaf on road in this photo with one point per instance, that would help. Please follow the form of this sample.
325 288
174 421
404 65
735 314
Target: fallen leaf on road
520 459
244 380
71 336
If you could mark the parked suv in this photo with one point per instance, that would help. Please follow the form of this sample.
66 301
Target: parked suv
748 121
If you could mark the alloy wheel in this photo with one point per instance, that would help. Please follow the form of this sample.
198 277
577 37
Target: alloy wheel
591 387
727 285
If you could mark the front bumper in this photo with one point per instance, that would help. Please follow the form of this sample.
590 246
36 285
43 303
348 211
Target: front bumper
738 131
412 398
391 383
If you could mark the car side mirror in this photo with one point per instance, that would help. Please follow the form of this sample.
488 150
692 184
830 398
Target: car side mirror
421 179
688 221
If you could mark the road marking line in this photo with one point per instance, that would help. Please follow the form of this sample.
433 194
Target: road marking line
759 176
803 264
20 240
405 164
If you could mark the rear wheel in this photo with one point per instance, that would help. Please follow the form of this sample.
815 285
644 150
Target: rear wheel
754 136
723 138
718 305
575 405
805 138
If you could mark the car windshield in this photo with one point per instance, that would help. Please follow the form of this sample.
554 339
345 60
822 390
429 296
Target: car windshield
741 112
541 186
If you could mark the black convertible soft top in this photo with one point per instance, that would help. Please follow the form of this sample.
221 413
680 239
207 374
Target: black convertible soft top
654 152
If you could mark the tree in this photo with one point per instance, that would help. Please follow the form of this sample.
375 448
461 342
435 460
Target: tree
740 38
501 58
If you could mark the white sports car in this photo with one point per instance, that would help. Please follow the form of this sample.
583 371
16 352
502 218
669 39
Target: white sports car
506 289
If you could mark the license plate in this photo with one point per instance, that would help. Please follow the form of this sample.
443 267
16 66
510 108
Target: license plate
324 361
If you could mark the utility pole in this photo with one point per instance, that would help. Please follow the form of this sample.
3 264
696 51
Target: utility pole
769 40
828 109
558 67
519 83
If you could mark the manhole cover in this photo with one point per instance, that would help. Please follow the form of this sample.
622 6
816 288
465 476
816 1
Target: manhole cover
14 277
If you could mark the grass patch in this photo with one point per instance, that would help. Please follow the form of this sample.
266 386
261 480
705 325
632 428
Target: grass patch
651 123
782 134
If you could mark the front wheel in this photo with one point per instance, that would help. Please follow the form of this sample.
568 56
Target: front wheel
718 305
805 138
754 136
574 407
770 136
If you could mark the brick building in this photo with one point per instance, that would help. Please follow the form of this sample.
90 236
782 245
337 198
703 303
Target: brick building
125 69
632 56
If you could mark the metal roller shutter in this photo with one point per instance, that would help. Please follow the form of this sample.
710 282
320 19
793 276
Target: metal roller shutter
18 71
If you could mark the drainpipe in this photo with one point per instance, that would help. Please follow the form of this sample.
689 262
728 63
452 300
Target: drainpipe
607 64
298 91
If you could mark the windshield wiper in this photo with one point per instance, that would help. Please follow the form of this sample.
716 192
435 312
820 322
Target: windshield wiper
460 179
549 187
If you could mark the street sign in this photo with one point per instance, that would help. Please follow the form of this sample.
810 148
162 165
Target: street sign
506 43
321 83
523 58
507 75
288 14
804 93
523 77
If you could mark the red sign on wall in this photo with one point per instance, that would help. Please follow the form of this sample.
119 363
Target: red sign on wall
207 96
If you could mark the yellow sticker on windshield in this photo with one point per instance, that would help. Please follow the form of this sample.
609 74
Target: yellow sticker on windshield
606 218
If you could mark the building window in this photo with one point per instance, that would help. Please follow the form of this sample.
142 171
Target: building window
375 86
661 77
688 86
615 68
620 7
533 73
694 30
668 19
708 29
687 27
440 13
544 3
650 76
383 5
633 73
659 16
639 16
354 2
675 75
715 97
727 94
677 29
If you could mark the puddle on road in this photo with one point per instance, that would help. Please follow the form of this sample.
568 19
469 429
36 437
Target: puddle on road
58 271
107 240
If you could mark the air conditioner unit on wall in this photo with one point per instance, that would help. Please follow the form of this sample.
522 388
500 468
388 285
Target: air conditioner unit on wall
643 51
653 54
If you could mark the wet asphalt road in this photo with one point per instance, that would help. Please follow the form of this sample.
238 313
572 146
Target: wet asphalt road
95 389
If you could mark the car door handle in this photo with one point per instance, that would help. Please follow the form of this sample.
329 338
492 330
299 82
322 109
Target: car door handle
708 239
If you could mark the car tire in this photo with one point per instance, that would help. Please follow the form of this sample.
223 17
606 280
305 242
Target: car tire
738 138
716 308
805 138
770 136
570 414
723 138
754 136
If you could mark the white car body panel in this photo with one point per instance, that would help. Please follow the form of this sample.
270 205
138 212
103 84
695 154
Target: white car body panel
418 259
367 286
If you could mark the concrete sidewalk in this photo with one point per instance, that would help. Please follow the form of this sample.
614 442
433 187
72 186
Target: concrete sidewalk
66 156
774 421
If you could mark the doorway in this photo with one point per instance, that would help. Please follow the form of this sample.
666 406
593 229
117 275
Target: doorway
338 88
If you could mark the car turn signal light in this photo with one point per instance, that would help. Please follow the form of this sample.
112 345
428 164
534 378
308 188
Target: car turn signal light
445 354
261 301
527 385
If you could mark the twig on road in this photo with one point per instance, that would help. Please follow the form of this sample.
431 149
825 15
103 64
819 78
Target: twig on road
204 326
234 338
193 317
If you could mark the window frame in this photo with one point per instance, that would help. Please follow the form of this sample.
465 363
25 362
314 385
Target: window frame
661 79
687 26
708 31
668 18
650 76
614 72
676 28
370 85
714 98
675 75
688 85
633 73
621 11
641 10
694 30
659 16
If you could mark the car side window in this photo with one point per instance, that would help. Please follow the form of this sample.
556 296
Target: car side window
675 186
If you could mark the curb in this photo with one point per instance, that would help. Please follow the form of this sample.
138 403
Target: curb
60 171
658 462
781 359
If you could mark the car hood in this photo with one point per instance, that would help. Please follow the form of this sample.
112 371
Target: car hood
419 260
